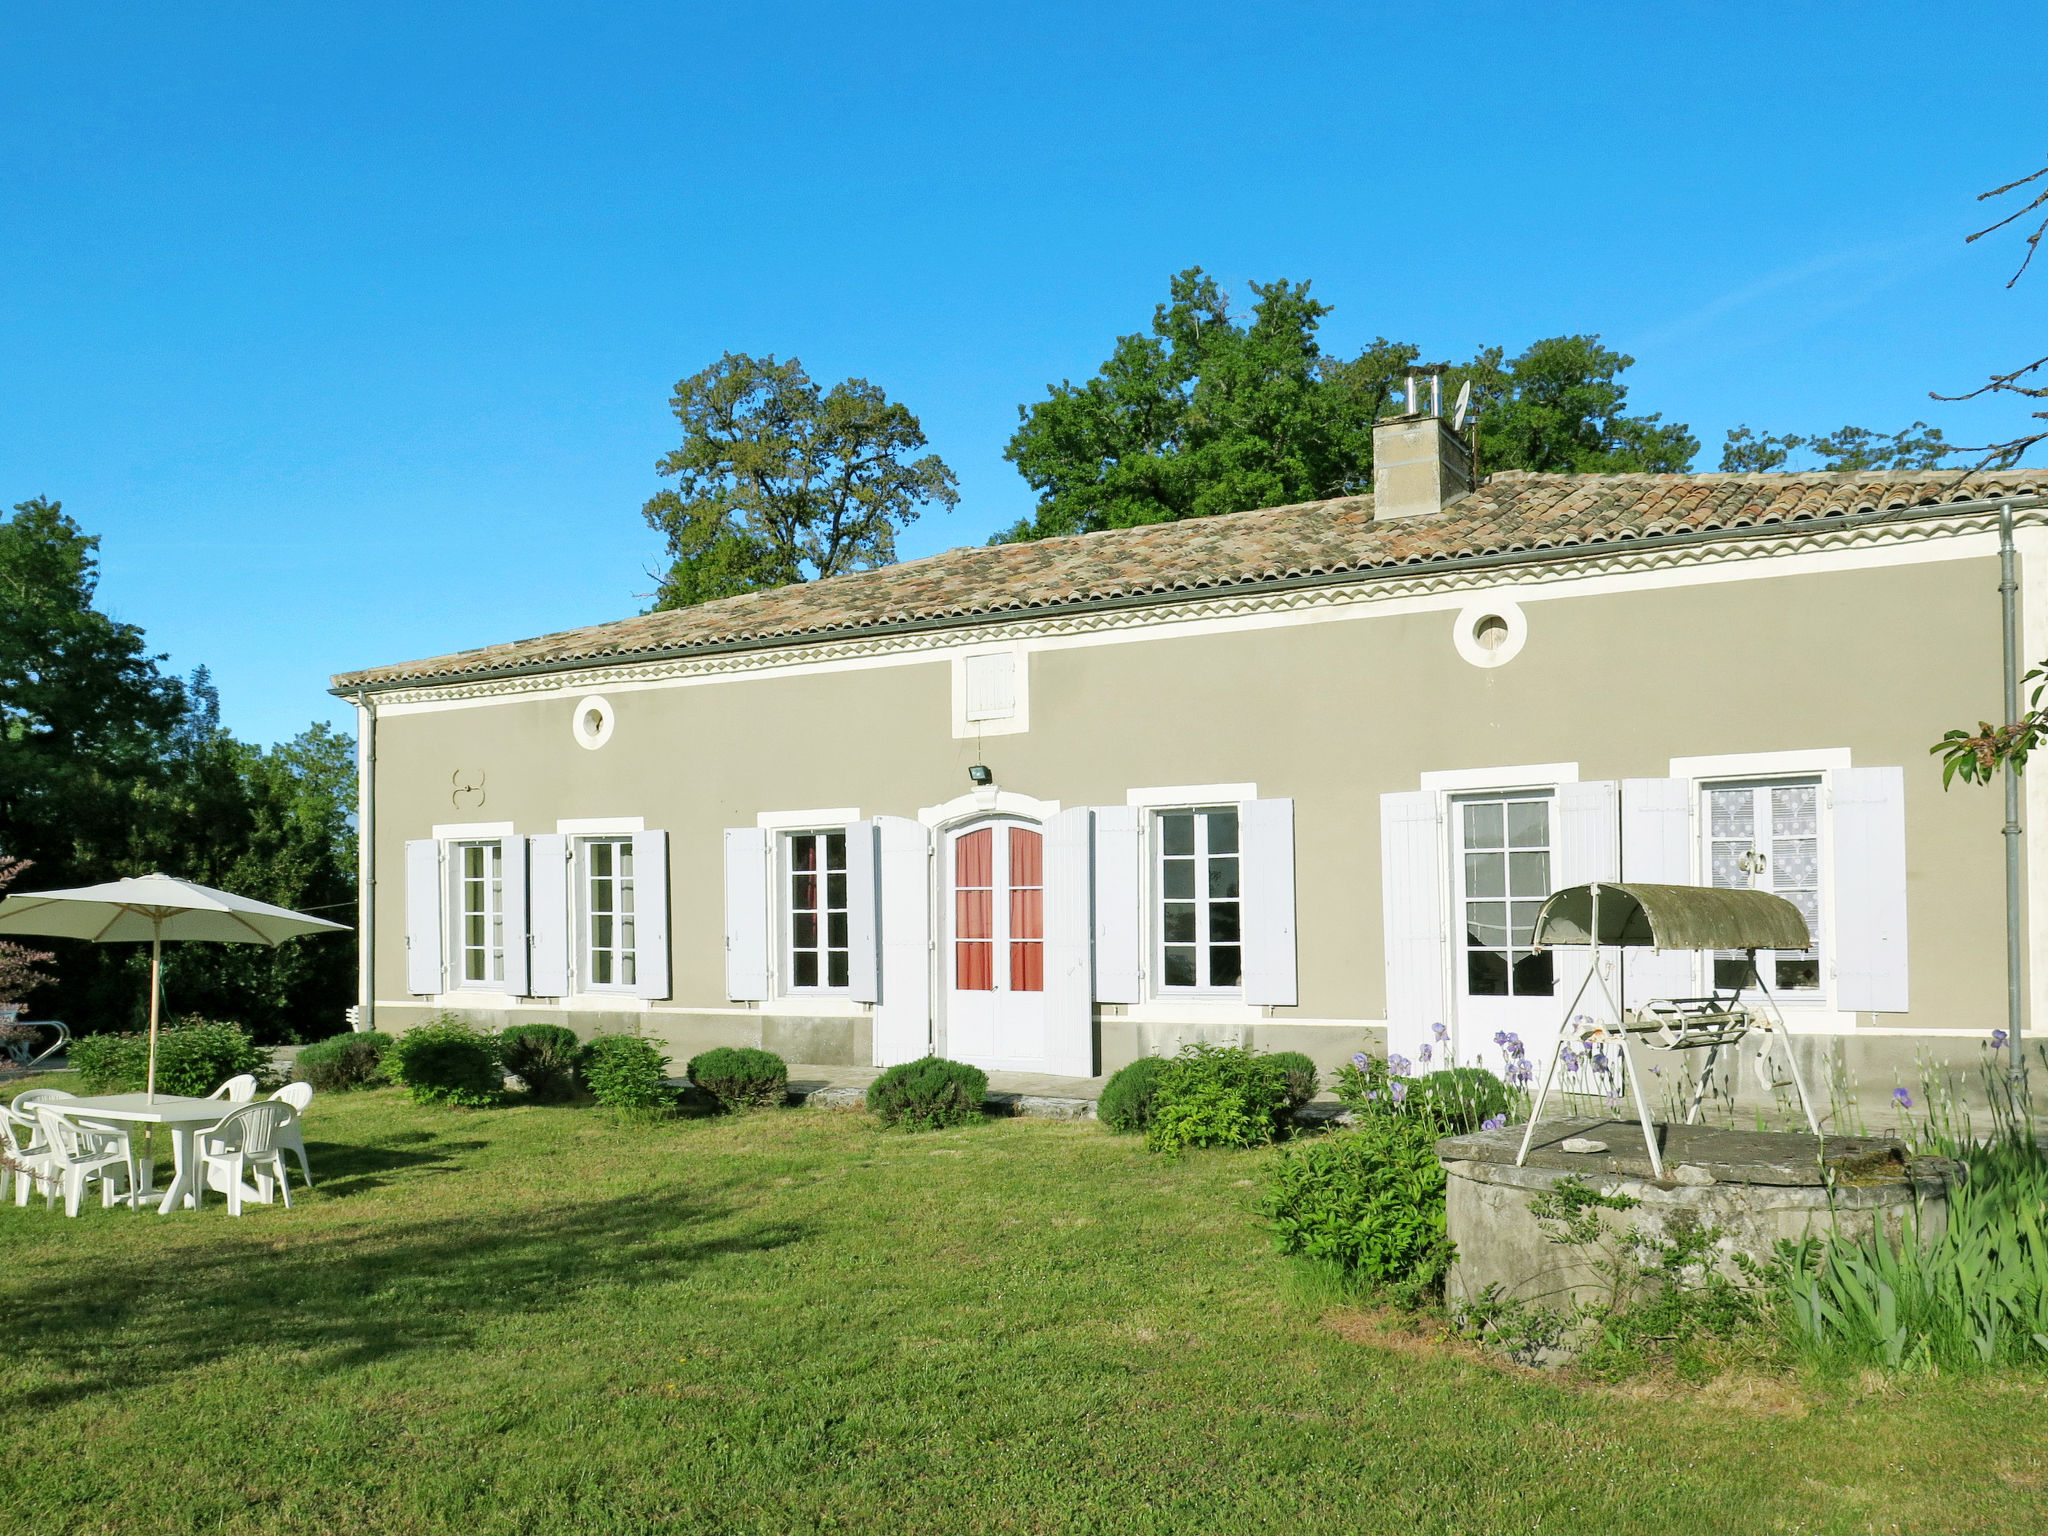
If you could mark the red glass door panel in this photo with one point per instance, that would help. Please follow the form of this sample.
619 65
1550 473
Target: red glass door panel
1027 910
974 902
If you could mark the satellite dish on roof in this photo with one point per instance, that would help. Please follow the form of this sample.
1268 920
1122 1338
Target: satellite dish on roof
1464 404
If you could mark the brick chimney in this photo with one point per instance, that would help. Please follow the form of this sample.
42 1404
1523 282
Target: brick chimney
1420 462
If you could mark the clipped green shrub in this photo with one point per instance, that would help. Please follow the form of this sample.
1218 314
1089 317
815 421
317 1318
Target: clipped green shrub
448 1061
930 1094
1217 1096
740 1077
1460 1099
1301 1076
1126 1102
1369 1200
345 1061
627 1072
542 1056
193 1057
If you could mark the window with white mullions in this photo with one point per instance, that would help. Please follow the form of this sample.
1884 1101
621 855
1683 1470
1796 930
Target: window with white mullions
1200 940
1766 837
608 926
1504 845
820 957
480 912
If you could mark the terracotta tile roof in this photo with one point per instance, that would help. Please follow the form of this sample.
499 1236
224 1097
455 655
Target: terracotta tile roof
1511 513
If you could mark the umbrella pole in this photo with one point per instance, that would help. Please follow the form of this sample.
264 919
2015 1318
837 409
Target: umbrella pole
156 971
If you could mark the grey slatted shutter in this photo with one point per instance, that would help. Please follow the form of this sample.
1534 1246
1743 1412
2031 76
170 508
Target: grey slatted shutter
746 914
650 915
425 918
547 909
1586 846
1069 944
1266 838
862 897
514 899
1411 916
1869 830
1656 849
903 1013
1119 904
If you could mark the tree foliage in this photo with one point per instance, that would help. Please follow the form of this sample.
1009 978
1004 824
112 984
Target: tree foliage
1845 450
108 767
780 481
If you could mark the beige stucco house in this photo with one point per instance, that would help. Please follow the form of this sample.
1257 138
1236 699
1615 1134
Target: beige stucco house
1296 776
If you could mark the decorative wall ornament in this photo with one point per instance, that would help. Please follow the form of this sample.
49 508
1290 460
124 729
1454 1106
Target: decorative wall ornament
468 791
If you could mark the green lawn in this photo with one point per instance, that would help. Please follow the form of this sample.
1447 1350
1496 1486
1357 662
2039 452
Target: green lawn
534 1319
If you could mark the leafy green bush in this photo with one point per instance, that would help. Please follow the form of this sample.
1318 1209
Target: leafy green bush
627 1072
1301 1076
740 1077
1460 1099
448 1061
345 1061
1369 1200
542 1056
1217 1096
193 1057
929 1094
1126 1102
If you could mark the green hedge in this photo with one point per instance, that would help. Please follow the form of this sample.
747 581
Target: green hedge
929 1094
193 1057
1369 1200
627 1072
345 1061
1217 1096
1126 1102
448 1061
740 1077
545 1057
1300 1075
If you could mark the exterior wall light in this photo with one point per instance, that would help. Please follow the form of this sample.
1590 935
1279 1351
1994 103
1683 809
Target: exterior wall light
980 776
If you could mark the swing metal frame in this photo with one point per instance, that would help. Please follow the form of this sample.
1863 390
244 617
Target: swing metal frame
1605 914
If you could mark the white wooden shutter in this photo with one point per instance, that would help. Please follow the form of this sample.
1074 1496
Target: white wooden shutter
650 914
1411 913
424 919
1119 904
547 910
1656 849
1069 943
863 969
903 1013
514 899
1585 846
1869 828
746 914
1266 870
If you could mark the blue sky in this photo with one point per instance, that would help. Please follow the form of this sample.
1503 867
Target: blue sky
351 329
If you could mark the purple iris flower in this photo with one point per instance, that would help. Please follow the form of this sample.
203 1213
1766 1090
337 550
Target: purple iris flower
1998 1038
1360 1060
1439 1031
1600 1061
1902 1098
1571 1059
1424 1054
1397 1092
1494 1123
1500 1037
1399 1065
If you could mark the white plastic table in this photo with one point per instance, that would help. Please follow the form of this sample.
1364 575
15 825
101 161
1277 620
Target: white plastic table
186 1118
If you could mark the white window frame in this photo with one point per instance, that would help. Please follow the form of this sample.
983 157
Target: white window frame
785 915
581 910
1820 999
1454 837
454 857
1155 905
966 726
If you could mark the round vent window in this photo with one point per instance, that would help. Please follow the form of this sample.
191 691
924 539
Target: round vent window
592 722
1490 633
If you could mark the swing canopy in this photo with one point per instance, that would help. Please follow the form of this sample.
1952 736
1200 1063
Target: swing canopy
1671 917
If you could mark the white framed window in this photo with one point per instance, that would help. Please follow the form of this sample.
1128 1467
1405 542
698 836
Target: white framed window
477 903
607 921
1766 835
1502 872
816 911
1198 879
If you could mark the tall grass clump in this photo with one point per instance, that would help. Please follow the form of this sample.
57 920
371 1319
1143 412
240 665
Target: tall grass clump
1971 1297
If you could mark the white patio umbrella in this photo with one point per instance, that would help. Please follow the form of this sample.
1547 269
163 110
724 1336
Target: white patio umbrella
154 907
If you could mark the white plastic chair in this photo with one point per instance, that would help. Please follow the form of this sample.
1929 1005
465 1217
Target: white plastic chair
75 1156
25 1148
236 1090
247 1141
291 1138
106 1134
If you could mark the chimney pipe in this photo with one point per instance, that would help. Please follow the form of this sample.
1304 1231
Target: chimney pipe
1420 462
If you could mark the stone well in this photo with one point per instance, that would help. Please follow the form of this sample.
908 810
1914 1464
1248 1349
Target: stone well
1755 1187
